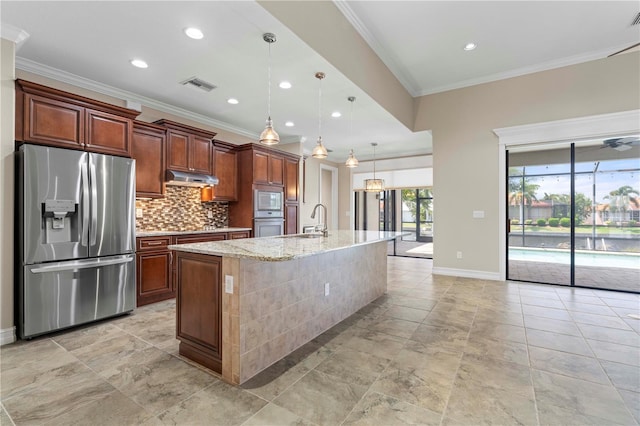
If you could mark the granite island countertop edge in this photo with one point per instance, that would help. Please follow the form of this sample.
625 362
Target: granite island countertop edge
282 248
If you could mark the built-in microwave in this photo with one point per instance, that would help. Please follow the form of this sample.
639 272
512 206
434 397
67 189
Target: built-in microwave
268 203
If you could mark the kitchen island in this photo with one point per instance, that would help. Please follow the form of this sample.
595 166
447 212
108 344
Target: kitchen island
244 304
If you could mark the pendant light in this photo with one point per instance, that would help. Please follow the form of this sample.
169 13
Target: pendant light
374 185
269 135
352 161
319 151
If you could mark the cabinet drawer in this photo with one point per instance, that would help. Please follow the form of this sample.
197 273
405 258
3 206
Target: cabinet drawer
199 238
239 234
153 243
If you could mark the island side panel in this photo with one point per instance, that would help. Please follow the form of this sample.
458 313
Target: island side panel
198 308
282 305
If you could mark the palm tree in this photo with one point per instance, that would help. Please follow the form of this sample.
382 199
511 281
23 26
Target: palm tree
522 193
621 198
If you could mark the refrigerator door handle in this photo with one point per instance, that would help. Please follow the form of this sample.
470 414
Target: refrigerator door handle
81 264
85 205
94 201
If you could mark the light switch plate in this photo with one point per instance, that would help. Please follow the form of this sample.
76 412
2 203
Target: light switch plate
138 212
478 214
326 289
228 284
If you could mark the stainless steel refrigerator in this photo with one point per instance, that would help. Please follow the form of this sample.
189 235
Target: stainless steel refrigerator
76 238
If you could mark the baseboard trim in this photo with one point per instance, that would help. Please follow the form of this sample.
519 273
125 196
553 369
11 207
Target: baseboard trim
8 335
467 273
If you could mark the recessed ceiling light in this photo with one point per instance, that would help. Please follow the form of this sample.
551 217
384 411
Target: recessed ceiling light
470 46
139 63
285 85
289 124
194 33
336 114
232 101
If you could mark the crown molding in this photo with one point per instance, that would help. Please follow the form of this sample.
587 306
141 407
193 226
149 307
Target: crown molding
387 58
581 128
545 66
14 34
85 83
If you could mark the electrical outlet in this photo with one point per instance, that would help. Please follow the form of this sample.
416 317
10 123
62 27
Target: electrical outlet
228 284
326 289
459 255
139 213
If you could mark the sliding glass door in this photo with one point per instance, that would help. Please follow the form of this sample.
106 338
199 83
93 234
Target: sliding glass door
539 229
573 214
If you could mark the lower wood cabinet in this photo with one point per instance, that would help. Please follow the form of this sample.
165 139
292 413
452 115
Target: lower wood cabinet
157 270
153 270
198 308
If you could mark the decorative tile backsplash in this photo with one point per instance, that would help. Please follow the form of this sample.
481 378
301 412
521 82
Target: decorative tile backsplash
180 210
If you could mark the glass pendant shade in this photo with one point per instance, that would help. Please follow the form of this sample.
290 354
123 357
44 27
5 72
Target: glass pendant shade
352 161
269 136
374 185
319 151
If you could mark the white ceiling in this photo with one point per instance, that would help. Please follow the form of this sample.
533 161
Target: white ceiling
89 44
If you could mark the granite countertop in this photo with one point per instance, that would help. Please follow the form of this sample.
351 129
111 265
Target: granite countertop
200 231
286 247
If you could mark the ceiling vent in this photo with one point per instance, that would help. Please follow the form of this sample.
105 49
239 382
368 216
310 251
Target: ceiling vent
636 20
198 83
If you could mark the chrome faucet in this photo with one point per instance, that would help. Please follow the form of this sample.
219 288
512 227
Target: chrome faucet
322 227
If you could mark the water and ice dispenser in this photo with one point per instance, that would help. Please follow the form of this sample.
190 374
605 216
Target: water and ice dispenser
60 217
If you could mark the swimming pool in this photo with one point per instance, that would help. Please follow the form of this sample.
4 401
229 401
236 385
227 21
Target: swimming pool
582 257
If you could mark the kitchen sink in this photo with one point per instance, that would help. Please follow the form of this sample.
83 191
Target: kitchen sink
314 235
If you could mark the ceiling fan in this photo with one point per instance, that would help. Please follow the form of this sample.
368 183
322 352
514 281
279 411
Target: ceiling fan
621 144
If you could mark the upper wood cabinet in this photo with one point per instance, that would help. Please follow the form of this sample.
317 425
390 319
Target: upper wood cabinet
148 148
225 168
291 179
48 116
268 168
188 149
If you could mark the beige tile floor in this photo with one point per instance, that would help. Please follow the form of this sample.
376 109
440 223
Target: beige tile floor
434 350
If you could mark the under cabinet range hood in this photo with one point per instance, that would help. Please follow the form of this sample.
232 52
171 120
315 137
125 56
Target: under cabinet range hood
174 177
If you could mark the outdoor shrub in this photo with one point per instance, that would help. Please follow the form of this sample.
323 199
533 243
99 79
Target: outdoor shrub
554 221
542 222
528 222
565 222
633 223
515 222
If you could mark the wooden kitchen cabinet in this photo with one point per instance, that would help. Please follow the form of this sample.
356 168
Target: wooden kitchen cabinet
188 149
199 308
49 116
225 168
108 133
198 238
291 218
153 270
156 273
148 148
268 168
239 234
260 167
291 179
